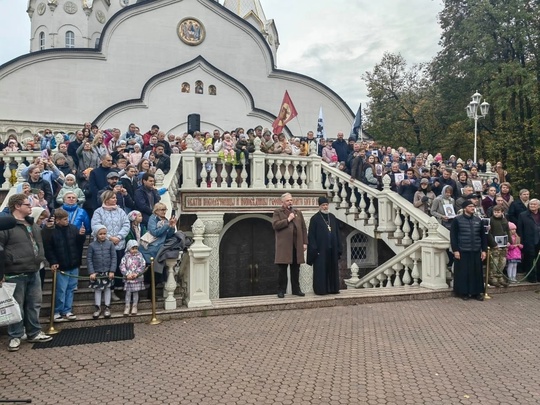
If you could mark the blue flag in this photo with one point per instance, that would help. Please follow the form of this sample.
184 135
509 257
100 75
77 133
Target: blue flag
357 124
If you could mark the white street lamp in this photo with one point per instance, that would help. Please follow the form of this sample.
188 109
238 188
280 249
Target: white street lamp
472 112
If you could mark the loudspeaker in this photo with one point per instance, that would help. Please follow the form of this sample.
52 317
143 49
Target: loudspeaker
193 123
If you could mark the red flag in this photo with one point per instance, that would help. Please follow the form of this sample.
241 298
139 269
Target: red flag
286 113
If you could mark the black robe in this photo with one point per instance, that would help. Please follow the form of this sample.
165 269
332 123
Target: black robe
324 250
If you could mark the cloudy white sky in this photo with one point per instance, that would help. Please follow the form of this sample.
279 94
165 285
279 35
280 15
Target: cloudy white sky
334 41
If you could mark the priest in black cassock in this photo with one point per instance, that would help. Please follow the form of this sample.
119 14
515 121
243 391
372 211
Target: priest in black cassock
469 245
324 250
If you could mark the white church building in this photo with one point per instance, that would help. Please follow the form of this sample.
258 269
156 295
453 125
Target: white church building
113 62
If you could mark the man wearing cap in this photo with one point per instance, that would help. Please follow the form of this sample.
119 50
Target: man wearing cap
324 250
291 243
469 245
123 199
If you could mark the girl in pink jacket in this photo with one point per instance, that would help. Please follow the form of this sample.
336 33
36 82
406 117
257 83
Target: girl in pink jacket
513 256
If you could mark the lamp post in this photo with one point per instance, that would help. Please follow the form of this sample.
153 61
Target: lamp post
472 112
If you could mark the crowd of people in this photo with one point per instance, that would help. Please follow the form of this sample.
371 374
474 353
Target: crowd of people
102 182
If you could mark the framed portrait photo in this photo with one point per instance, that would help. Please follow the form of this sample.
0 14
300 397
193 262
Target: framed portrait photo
501 241
449 210
399 177
477 185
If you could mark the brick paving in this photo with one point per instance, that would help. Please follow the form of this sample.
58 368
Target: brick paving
444 351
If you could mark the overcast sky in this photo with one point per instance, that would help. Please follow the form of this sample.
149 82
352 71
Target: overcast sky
334 41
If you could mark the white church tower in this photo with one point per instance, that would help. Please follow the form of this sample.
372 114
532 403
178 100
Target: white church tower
69 23
252 11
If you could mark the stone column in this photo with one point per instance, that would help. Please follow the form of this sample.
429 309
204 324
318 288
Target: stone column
434 258
198 278
213 224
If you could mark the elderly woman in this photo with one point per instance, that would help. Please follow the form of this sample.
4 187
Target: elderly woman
117 223
160 228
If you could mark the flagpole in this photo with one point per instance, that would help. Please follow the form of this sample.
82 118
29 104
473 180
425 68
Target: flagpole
299 126
361 124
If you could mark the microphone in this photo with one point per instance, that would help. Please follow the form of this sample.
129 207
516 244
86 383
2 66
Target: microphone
7 222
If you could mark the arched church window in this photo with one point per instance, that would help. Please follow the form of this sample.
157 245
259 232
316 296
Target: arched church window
362 250
199 87
185 87
96 45
70 39
41 41
212 90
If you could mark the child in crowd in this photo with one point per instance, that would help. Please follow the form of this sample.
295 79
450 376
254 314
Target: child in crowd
137 228
63 244
228 148
70 184
101 259
132 268
135 156
513 256
498 230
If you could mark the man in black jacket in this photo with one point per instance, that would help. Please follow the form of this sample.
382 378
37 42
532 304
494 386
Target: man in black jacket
528 229
146 197
24 253
63 244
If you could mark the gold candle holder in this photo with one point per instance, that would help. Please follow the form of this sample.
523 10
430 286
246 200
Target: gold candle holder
154 320
51 330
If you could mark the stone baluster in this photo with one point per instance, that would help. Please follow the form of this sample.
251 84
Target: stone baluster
415 232
270 174
389 272
381 277
362 215
406 230
303 176
343 194
199 269
213 173
279 175
203 173
406 273
415 272
287 173
328 181
243 175
397 279
170 285
353 209
371 210
398 233
7 174
295 175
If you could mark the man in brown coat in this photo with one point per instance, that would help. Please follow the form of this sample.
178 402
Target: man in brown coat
291 242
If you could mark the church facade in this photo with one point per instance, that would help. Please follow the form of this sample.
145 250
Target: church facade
114 62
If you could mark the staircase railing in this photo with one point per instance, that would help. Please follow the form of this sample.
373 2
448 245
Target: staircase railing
414 236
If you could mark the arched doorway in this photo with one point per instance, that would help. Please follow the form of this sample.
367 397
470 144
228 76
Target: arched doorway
246 258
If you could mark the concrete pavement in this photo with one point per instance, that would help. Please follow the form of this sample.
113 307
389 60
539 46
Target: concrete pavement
441 351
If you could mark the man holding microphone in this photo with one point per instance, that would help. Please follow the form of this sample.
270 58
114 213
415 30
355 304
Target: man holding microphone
291 242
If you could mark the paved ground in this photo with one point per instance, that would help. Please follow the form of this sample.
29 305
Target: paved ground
445 351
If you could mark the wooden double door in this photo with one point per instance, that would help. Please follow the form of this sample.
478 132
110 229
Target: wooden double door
246 259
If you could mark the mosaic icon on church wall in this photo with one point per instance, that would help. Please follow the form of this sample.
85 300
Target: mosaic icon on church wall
191 31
